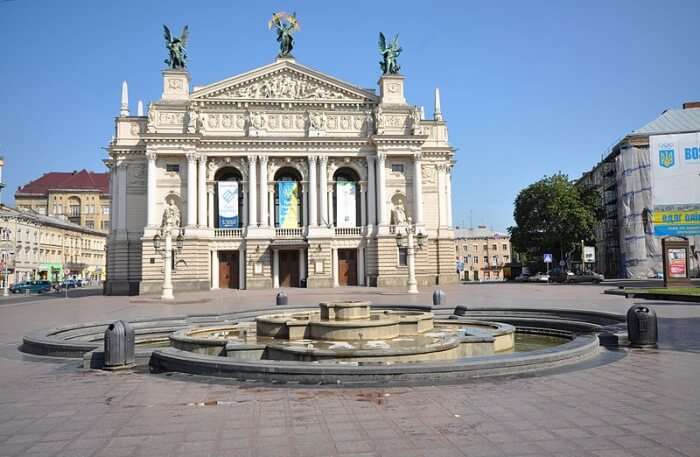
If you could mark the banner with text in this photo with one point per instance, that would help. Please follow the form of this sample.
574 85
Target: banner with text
347 209
228 204
675 170
288 204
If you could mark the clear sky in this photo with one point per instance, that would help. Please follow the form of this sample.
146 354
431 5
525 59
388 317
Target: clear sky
528 87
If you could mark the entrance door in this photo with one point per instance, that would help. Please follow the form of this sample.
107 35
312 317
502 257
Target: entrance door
347 267
228 270
289 268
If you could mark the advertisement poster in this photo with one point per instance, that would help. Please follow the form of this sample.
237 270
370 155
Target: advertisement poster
228 204
288 204
347 210
675 170
677 263
589 254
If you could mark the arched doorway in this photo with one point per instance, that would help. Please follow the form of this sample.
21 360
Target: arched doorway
346 198
228 201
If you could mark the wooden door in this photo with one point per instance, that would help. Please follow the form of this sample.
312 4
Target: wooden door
289 268
347 267
228 270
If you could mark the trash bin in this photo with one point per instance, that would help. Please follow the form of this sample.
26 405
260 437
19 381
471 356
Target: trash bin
282 299
642 330
439 297
119 346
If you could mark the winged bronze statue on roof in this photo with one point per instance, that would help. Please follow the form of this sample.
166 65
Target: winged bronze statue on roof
389 53
177 59
285 24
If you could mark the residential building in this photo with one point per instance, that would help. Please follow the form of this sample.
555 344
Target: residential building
283 177
626 244
43 247
484 253
81 197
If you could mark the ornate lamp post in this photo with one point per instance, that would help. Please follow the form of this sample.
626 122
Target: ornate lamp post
411 241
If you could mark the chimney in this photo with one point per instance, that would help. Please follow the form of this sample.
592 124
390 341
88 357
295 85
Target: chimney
689 105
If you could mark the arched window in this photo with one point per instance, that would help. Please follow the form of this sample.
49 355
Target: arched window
346 198
228 198
288 204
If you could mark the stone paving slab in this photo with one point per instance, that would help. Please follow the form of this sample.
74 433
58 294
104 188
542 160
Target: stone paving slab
642 403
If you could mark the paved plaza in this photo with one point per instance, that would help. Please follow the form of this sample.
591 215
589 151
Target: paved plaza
638 403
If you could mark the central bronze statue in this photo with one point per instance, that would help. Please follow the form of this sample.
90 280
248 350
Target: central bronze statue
285 25
389 53
176 47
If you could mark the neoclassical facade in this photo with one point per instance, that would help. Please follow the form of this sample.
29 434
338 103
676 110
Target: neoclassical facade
282 177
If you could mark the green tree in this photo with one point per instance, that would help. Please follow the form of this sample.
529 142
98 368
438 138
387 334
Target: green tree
554 215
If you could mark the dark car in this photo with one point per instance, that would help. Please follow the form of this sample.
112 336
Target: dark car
560 275
69 283
587 276
31 286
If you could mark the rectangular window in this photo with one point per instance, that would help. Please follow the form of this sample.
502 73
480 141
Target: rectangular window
486 260
172 168
90 224
495 260
486 247
397 167
494 247
105 225
476 247
476 259
403 257
505 258
105 210
505 247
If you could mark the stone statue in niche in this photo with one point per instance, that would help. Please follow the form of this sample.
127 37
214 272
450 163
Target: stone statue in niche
398 213
192 121
171 215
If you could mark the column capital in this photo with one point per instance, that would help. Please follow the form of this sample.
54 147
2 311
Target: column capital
312 158
417 156
252 160
323 160
202 156
191 156
371 159
151 156
263 160
381 156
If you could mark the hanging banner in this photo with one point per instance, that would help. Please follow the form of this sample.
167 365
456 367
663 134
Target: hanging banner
675 167
346 210
228 204
288 204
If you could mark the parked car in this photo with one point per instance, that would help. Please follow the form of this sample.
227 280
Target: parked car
522 277
539 277
31 286
560 275
69 283
587 276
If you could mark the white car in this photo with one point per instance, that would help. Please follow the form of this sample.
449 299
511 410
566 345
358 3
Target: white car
540 277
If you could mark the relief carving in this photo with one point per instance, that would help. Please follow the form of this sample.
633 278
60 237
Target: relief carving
285 86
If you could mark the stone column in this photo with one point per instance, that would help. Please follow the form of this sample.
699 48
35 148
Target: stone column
363 204
305 204
241 269
244 209
252 195
448 195
331 205
121 206
312 201
151 217
381 190
114 186
191 189
418 189
302 265
275 269
334 267
264 216
210 212
323 190
271 205
214 269
361 266
202 191
442 216
371 192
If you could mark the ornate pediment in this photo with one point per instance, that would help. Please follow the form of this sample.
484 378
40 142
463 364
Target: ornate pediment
286 82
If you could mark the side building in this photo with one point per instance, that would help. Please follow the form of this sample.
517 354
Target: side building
483 253
33 247
626 243
81 197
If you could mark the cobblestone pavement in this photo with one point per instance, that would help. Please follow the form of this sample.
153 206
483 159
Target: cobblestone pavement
641 403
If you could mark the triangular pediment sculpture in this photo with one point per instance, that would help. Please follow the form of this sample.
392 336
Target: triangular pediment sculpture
284 81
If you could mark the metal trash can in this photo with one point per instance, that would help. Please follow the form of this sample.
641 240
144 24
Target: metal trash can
439 297
119 346
642 329
282 299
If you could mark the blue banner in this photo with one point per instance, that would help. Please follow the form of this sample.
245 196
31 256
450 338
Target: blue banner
228 204
288 204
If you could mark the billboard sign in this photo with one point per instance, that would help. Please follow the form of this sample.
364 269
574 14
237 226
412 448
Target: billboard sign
589 254
347 210
228 204
675 170
288 204
677 263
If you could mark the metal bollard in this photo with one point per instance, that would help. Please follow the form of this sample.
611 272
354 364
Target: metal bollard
119 346
282 299
642 329
439 297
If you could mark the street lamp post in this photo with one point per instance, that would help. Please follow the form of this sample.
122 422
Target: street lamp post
166 252
412 242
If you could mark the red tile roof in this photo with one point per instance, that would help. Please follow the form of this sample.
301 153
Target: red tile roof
57 180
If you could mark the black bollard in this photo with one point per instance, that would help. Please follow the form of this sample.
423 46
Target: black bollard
439 297
282 299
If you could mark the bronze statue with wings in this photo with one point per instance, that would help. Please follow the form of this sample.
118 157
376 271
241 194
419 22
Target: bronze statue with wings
285 24
176 47
389 53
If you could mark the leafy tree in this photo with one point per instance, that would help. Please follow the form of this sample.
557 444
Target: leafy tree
554 215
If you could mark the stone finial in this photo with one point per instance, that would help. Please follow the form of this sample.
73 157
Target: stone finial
124 110
139 109
438 111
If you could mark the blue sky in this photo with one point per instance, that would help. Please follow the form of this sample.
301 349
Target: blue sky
528 88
